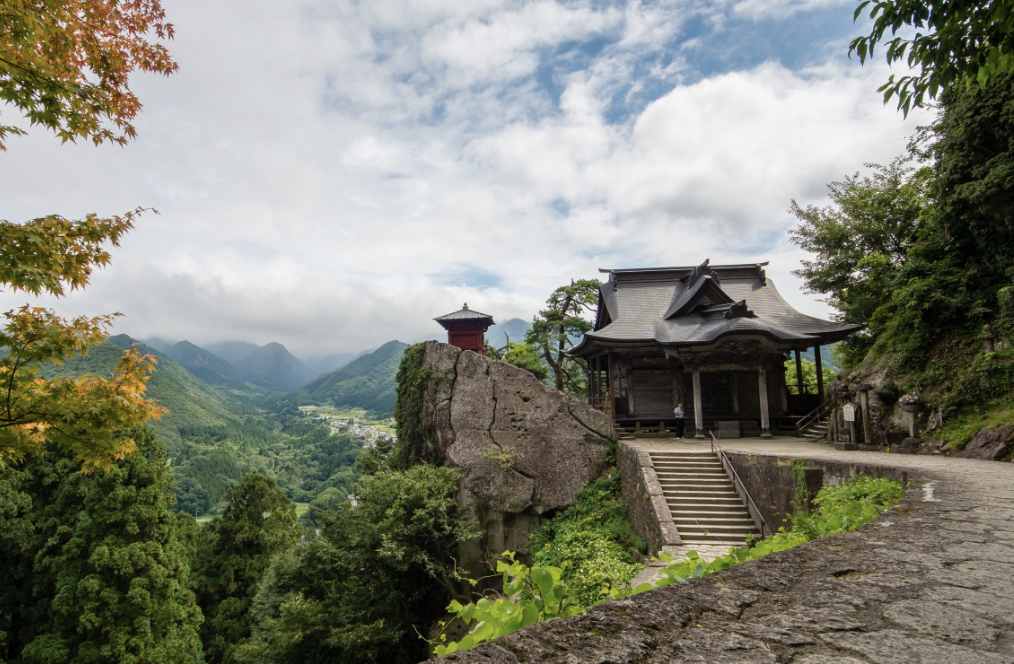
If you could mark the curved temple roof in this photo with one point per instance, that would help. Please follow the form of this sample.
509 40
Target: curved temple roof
464 314
691 306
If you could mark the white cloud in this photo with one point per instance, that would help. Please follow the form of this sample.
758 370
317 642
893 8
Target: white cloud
317 165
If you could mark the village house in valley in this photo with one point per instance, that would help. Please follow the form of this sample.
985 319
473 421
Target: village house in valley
714 337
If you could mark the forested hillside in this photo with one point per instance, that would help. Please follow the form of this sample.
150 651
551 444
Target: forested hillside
366 382
213 439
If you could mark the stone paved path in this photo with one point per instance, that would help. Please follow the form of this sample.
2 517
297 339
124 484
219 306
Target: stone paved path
930 581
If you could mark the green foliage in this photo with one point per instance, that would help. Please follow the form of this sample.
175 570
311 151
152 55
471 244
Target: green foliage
530 595
591 542
861 242
521 355
960 429
82 415
987 377
95 568
955 275
801 499
809 376
954 45
962 255
235 551
559 326
540 593
379 570
414 436
889 393
66 65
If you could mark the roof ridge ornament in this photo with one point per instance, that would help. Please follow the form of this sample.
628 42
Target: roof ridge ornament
698 272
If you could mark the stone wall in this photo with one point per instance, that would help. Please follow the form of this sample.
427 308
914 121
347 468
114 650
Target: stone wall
525 449
771 480
647 509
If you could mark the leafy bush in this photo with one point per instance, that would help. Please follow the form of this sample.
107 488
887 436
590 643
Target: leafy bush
590 563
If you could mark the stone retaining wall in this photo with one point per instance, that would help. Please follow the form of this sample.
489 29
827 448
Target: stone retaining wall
647 509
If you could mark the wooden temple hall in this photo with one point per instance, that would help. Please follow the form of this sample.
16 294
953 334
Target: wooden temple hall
712 337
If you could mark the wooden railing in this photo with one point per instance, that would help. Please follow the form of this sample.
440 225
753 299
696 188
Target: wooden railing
744 495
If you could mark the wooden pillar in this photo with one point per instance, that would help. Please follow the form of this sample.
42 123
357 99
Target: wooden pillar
698 406
762 391
799 373
784 391
610 387
820 373
734 383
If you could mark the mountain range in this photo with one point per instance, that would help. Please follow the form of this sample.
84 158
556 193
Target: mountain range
233 409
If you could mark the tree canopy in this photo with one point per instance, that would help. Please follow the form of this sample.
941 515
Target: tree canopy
83 415
559 326
66 64
969 43
381 569
925 257
860 242
258 523
93 569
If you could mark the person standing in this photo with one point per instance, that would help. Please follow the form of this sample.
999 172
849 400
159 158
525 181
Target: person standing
678 412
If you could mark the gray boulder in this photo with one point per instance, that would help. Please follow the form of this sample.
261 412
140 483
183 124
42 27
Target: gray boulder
989 444
524 448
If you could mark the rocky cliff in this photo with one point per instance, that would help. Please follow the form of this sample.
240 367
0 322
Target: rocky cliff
525 449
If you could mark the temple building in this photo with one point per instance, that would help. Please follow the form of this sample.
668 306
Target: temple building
713 337
466 329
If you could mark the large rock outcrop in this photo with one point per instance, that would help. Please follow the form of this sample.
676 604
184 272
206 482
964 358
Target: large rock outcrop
525 449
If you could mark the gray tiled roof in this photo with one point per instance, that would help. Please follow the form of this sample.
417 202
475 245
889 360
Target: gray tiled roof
464 314
650 310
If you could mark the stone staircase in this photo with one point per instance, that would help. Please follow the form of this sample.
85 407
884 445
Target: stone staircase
705 507
817 430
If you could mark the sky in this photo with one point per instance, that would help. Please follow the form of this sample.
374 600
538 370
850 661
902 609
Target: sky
333 174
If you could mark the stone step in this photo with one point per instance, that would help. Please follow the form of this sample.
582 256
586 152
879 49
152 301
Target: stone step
712 519
681 455
711 480
737 538
688 535
694 479
676 483
710 470
696 495
706 507
696 483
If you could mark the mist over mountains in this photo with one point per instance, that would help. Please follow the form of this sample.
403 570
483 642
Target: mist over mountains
235 364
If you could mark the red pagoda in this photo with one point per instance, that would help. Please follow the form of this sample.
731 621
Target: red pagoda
465 328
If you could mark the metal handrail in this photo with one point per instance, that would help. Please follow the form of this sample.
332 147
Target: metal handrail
744 495
811 417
